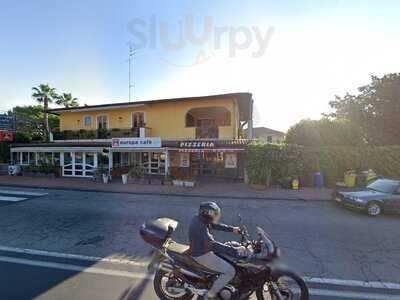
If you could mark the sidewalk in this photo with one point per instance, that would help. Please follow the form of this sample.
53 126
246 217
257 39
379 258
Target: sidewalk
211 190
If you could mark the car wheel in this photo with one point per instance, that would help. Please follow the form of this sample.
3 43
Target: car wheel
374 209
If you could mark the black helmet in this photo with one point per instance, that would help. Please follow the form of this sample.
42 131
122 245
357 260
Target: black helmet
209 210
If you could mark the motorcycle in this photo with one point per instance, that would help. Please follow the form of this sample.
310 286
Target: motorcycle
179 277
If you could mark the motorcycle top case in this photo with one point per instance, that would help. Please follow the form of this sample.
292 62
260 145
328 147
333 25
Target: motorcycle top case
156 231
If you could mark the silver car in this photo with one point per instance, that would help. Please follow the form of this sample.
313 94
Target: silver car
383 195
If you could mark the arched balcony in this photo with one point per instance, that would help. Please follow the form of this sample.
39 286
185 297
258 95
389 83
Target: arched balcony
207 121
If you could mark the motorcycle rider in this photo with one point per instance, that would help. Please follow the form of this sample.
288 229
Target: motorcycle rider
203 246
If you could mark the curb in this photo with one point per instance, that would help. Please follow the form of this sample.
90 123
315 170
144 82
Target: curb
270 198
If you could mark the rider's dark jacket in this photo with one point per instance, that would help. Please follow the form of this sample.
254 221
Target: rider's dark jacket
202 241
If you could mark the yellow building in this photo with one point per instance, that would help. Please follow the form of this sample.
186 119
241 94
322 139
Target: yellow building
194 136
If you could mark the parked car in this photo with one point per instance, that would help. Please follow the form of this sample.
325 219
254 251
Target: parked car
382 195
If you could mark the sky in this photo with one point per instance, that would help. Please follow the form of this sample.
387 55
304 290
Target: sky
293 56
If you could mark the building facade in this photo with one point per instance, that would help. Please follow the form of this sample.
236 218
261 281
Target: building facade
268 135
196 136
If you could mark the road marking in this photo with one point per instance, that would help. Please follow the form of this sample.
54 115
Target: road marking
354 283
13 192
67 267
74 256
11 199
317 280
353 295
120 273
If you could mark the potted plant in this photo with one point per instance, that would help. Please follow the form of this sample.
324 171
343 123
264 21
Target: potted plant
136 173
102 172
125 178
177 182
189 182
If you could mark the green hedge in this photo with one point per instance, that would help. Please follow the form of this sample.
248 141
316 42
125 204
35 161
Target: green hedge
333 162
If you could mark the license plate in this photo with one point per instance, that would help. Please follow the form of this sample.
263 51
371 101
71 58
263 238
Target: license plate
338 199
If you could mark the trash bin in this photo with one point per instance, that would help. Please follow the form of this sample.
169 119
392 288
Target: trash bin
350 178
318 180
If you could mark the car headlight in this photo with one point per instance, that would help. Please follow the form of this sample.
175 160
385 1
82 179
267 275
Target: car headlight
359 200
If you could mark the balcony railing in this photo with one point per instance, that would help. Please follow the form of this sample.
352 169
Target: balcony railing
100 133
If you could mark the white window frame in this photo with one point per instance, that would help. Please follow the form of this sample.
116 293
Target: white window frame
138 112
102 115
91 121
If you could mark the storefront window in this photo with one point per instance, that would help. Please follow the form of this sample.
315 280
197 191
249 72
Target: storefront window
57 158
48 156
41 158
16 158
153 163
25 158
32 158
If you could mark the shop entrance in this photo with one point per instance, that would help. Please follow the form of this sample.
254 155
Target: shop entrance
207 163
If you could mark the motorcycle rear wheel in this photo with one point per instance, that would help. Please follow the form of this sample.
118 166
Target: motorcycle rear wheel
163 280
290 285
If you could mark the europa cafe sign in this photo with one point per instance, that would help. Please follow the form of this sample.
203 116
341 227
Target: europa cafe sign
153 142
6 136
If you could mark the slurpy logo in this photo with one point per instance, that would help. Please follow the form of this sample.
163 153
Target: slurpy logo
155 35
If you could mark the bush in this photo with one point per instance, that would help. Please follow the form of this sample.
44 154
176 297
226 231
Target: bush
4 152
22 137
292 161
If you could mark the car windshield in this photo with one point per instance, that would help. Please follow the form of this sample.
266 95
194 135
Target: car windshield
384 186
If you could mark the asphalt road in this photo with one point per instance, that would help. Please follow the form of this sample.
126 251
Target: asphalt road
317 238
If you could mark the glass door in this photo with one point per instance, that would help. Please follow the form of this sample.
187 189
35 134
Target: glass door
68 167
79 164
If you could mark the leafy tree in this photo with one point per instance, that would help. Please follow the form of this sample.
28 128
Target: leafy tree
29 119
375 109
67 100
325 132
44 94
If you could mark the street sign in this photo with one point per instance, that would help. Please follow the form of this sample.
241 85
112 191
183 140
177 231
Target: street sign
7 123
6 136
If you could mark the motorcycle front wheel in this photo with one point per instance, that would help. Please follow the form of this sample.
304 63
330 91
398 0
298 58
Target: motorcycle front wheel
289 285
167 287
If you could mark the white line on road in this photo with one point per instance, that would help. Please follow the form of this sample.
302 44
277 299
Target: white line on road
119 273
12 192
68 267
316 280
354 283
11 199
74 256
353 295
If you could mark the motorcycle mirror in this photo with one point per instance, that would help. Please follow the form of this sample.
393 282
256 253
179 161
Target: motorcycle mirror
240 218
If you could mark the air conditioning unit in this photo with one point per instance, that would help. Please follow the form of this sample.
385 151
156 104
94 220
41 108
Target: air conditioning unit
14 170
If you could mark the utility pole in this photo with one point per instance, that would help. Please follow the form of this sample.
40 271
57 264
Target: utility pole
131 59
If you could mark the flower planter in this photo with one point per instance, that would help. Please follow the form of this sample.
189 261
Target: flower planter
258 186
105 178
124 178
177 182
188 183
167 182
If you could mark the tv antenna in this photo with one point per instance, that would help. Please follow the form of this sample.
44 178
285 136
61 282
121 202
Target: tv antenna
131 59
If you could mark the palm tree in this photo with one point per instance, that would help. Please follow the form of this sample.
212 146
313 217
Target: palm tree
44 94
67 100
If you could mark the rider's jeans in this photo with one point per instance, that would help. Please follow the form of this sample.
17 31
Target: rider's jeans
213 262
